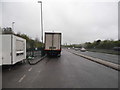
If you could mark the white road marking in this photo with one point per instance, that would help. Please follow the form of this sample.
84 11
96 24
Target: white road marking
30 69
22 78
39 71
9 69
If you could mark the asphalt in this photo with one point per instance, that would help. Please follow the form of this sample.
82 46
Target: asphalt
67 71
108 57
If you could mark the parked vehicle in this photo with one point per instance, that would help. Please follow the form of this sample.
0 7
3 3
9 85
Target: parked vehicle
68 48
77 49
53 43
13 49
82 49
116 48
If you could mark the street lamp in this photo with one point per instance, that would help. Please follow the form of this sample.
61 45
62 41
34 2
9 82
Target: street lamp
42 49
41 21
13 25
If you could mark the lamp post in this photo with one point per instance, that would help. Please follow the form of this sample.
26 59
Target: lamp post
13 26
42 49
41 21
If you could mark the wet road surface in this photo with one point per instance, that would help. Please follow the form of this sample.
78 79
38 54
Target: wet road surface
67 71
108 57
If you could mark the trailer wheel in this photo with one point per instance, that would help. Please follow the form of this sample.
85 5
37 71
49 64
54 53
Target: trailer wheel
59 55
21 62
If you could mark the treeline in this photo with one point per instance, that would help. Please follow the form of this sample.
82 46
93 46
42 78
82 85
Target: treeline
73 45
105 44
31 44
98 44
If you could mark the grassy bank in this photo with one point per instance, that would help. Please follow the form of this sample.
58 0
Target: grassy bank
105 51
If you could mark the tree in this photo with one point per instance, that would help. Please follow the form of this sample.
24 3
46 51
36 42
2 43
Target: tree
7 30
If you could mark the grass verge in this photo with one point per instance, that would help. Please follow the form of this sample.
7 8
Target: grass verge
105 51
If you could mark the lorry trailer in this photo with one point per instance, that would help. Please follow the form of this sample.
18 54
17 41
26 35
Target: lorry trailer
13 49
53 43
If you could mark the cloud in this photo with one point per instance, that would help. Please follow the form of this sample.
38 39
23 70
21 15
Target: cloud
78 21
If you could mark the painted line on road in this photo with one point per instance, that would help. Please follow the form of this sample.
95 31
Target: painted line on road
22 78
39 71
100 61
30 69
9 69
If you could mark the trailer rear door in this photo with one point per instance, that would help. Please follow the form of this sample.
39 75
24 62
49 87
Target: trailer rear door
56 41
48 41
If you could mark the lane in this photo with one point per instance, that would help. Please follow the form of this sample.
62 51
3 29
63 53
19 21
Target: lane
16 73
67 71
10 77
104 56
71 71
22 78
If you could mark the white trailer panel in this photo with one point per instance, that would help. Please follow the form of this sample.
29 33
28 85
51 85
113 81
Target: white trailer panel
48 41
6 49
57 41
13 49
19 49
0 49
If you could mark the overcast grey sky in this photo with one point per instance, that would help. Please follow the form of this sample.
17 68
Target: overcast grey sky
78 21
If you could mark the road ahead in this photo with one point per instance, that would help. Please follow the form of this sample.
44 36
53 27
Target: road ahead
67 71
104 56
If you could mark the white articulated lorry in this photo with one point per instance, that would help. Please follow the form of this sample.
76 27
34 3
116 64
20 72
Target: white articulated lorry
13 49
53 43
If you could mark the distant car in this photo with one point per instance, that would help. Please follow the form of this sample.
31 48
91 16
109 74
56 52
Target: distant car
68 48
82 49
77 49
116 48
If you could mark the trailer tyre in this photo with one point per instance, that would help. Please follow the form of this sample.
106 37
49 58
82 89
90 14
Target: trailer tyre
59 55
